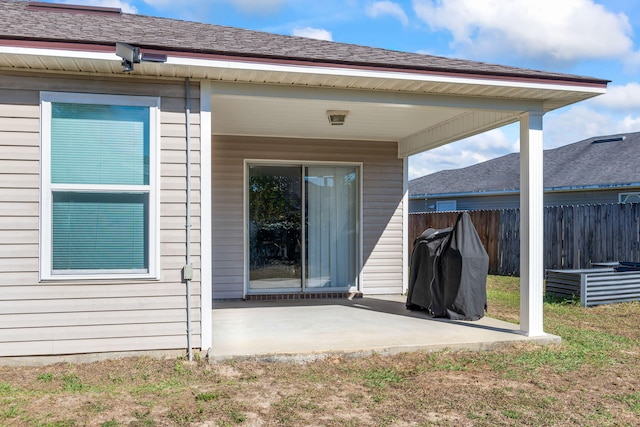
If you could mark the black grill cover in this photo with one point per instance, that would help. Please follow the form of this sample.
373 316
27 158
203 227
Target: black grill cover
449 272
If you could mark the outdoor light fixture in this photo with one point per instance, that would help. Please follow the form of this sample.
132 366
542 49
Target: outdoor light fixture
337 117
131 55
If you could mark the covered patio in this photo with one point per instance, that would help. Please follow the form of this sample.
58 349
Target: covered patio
394 115
278 114
309 329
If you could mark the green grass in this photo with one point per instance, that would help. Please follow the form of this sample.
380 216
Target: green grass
632 400
592 378
71 382
47 377
379 378
207 397
6 389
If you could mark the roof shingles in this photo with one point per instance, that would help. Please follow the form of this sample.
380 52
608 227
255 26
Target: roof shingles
20 22
581 164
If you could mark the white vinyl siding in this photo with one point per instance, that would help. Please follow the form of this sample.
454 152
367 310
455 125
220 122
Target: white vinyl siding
86 316
382 268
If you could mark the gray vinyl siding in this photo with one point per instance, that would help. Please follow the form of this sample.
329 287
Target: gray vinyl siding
381 198
467 203
85 316
512 201
591 197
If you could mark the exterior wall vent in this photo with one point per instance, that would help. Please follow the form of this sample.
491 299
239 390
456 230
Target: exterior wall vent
76 8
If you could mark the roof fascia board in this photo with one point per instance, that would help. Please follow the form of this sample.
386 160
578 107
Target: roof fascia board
400 74
60 53
181 59
465 194
593 187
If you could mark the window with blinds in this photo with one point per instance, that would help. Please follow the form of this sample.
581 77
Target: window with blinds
99 185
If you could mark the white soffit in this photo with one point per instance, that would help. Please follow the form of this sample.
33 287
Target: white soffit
306 118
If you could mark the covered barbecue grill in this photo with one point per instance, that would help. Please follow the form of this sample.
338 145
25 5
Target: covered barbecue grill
449 272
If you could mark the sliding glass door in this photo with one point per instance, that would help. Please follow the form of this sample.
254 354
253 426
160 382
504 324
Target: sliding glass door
303 228
275 228
331 226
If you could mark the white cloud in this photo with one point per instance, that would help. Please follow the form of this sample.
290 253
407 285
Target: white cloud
575 124
554 30
380 8
629 124
619 97
580 122
466 152
617 111
632 62
312 33
126 7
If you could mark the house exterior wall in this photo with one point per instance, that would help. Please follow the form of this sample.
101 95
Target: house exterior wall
466 203
90 316
512 201
382 184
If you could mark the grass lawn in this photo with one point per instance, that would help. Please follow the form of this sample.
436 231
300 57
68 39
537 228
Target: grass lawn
591 379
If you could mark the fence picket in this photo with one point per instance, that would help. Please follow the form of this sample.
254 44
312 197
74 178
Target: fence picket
574 236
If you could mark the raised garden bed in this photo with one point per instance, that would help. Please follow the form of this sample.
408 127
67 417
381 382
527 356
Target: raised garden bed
595 286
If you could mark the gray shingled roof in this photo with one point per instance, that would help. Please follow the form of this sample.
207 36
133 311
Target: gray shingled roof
584 163
21 22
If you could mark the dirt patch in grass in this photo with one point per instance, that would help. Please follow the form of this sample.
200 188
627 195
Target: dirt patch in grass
591 379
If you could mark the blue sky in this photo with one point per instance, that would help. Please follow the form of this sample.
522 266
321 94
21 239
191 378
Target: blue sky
595 38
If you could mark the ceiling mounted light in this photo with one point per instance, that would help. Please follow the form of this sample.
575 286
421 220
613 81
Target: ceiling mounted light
337 117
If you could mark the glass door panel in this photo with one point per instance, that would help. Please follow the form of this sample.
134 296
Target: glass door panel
275 234
331 225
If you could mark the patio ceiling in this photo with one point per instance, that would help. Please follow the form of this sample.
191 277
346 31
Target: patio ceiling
415 121
307 118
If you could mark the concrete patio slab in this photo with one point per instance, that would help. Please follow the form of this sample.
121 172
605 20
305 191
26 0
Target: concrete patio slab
311 329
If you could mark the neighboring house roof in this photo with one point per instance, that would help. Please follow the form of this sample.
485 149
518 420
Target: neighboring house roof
36 22
598 162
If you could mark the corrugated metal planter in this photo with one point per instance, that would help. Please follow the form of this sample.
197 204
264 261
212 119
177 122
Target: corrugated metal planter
594 286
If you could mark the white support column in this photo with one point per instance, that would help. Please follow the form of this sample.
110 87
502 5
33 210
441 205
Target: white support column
405 224
206 217
531 224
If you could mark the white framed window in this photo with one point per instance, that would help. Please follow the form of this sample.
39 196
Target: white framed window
629 198
446 205
99 186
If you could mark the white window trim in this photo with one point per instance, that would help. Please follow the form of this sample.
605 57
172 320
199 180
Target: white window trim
623 197
46 188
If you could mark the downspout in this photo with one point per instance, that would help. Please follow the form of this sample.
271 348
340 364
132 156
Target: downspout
187 271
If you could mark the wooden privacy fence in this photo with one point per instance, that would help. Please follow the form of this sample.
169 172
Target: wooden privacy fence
574 236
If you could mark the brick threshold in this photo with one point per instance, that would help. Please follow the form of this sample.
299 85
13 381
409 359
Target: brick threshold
300 296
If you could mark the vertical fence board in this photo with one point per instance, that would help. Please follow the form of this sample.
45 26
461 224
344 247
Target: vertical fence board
574 236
